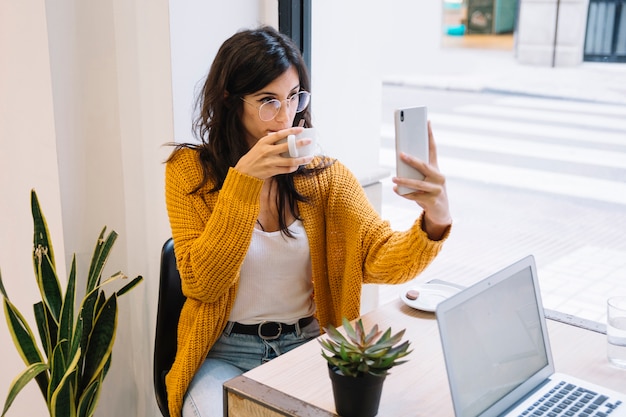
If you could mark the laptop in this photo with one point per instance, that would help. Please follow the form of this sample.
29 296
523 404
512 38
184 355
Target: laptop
497 353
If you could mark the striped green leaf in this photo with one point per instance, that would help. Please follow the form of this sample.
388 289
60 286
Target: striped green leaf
21 381
41 319
101 341
129 286
58 366
41 235
62 399
85 321
24 340
76 336
2 290
100 256
89 399
66 323
43 261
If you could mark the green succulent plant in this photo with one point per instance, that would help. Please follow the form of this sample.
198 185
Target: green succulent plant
75 348
363 353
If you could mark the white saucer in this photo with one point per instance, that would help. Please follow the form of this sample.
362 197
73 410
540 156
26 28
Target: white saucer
429 296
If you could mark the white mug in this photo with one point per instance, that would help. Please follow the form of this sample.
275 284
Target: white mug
301 151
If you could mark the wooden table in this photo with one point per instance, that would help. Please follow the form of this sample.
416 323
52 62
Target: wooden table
297 383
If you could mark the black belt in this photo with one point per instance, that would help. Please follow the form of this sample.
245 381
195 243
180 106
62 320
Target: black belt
269 329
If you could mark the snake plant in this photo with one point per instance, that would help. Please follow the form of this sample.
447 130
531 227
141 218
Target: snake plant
363 353
74 352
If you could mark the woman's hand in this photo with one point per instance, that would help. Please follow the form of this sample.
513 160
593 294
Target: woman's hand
430 193
263 160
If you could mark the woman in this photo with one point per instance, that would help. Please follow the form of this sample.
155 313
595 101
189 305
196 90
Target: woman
271 249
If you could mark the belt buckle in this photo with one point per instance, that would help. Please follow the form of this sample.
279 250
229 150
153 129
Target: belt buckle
278 332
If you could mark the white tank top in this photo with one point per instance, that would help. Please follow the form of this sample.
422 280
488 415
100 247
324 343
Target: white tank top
275 282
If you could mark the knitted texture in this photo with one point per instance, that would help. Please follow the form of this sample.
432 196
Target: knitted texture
349 243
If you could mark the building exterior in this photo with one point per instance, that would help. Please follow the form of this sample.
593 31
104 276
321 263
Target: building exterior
566 32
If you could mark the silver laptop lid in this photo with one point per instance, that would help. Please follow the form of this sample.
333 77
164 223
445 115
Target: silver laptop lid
495 341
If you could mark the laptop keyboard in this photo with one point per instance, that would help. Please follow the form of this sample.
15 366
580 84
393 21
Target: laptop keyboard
567 399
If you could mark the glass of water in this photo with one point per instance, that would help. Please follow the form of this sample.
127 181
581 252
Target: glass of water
616 331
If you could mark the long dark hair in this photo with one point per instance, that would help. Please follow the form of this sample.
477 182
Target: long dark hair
244 64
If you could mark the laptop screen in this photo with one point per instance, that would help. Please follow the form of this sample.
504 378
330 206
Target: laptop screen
493 340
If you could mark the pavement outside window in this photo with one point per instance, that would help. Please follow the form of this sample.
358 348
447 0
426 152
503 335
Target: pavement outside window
538 168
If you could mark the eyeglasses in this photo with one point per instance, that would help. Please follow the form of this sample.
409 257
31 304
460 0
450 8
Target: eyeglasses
269 109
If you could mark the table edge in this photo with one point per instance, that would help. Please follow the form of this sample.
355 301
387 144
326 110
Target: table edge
281 402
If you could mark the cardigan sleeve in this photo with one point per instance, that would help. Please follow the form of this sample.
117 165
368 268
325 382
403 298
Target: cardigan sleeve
211 231
385 256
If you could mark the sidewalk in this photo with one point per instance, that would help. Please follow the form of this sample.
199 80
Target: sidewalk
481 70
580 265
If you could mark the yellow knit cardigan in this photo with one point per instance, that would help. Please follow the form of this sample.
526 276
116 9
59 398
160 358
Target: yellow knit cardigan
349 245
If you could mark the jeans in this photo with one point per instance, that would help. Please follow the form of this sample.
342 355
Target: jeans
232 355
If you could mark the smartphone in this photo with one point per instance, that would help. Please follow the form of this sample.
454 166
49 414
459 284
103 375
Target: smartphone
411 138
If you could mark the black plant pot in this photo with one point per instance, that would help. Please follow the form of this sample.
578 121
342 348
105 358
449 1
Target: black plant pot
356 396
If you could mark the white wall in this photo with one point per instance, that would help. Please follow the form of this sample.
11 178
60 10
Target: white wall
411 33
28 159
346 81
86 106
197 29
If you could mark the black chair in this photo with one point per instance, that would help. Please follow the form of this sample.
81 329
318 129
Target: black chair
171 300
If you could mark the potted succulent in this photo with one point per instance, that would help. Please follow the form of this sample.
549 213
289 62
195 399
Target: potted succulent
358 364
74 351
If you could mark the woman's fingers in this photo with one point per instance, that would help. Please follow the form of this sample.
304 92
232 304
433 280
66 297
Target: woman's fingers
432 148
268 157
